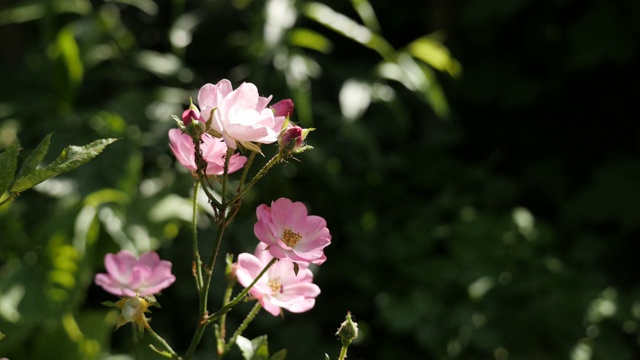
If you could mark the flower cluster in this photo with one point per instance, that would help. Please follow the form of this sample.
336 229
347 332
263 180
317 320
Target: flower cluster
277 274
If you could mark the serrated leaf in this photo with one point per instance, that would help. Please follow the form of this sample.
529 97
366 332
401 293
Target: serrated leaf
8 165
70 158
256 349
35 158
280 355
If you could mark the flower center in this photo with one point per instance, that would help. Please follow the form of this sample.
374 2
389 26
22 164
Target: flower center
275 286
291 238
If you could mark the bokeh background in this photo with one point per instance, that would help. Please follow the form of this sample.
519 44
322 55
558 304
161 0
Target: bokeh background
476 161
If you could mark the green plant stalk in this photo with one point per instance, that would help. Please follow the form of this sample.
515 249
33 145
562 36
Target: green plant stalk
227 158
204 294
240 296
201 172
343 353
252 314
245 172
223 318
241 192
169 353
194 224
208 320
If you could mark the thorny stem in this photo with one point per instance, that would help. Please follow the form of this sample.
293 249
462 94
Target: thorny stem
245 172
223 318
252 314
196 254
343 353
241 192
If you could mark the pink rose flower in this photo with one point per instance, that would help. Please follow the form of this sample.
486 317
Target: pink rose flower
240 115
279 288
290 233
128 276
213 152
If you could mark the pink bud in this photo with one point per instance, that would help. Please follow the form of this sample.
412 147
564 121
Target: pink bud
283 108
191 114
293 135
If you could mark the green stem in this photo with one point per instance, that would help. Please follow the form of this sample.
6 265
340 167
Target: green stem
227 158
204 293
255 179
223 318
169 353
201 165
343 353
252 314
196 254
245 172
240 296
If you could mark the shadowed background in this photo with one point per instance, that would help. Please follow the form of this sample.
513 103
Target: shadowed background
476 162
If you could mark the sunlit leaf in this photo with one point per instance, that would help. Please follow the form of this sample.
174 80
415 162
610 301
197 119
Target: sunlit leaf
22 12
435 54
418 78
67 51
310 39
347 27
70 158
256 349
367 14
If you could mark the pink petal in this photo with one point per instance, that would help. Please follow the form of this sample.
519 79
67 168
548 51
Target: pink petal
307 290
248 268
267 304
287 214
302 306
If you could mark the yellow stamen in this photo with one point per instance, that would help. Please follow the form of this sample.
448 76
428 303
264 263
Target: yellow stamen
291 238
275 286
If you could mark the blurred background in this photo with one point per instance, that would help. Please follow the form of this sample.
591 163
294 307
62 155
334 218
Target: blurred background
476 161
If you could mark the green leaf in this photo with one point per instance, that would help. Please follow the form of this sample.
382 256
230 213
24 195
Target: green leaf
256 349
8 165
326 357
70 158
280 355
348 27
435 54
310 39
35 158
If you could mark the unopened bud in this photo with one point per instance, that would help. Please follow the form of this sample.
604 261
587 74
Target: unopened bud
191 114
348 331
291 138
283 108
